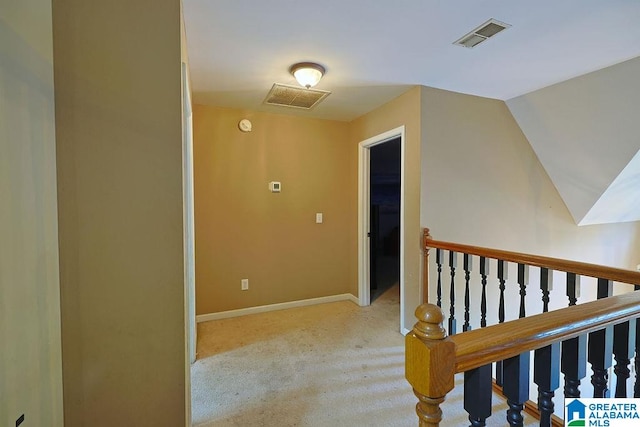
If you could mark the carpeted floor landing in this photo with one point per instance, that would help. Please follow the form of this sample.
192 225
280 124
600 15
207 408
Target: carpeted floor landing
333 364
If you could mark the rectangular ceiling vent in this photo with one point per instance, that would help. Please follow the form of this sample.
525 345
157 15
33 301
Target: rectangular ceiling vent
294 96
482 33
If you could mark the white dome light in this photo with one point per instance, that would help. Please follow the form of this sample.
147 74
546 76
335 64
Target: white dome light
308 74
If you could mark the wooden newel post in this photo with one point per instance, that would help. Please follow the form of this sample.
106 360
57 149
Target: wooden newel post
429 363
425 274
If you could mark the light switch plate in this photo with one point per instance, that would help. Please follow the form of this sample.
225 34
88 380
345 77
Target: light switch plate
319 218
275 186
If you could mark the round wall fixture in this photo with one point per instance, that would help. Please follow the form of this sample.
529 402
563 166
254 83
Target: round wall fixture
244 125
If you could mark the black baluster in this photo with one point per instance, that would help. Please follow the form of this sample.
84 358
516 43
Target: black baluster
484 272
600 348
574 351
516 386
573 288
467 261
636 361
439 264
624 335
546 286
523 281
453 262
599 356
573 364
477 395
546 375
502 278
546 361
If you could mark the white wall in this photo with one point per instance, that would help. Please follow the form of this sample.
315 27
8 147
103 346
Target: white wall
30 357
482 184
585 131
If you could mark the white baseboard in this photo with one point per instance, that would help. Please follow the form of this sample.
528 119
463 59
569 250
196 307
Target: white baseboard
274 307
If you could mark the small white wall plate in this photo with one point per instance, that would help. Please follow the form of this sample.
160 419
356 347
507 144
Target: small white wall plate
275 186
244 125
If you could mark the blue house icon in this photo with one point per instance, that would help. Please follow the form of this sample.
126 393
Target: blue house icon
576 407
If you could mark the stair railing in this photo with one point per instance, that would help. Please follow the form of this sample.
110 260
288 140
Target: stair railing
559 338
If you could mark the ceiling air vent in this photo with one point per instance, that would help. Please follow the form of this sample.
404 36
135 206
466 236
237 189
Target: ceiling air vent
482 33
293 96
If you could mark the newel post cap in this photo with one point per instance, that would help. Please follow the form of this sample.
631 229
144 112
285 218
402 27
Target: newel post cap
430 354
426 236
429 325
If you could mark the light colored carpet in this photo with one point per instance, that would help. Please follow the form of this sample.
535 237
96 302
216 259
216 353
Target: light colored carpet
333 364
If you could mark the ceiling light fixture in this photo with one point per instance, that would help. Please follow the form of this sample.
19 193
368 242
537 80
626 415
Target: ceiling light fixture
308 74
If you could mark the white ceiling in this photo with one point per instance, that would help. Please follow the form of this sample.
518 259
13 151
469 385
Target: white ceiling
375 49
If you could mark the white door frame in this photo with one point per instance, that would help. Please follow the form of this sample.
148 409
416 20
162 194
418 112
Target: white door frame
188 239
188 216
364 297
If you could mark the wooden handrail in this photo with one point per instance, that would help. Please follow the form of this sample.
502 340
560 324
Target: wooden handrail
585 269
432 358
498 342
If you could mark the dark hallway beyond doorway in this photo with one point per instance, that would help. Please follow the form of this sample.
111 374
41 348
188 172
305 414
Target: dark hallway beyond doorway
385 216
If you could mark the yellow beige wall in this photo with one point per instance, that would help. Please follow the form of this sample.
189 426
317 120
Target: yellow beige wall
119 148
30 356
402 111
245 231
470 175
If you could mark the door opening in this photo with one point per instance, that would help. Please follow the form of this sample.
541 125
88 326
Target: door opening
384 214
364 221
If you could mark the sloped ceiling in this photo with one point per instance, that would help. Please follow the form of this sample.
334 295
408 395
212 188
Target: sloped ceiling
586 133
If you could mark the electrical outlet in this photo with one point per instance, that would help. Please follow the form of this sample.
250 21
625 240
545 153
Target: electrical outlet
244 284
